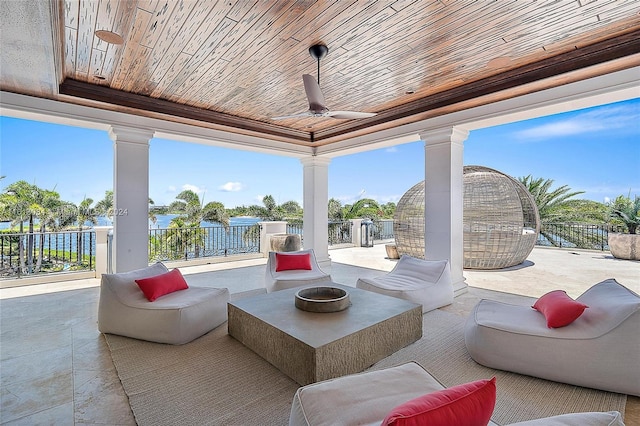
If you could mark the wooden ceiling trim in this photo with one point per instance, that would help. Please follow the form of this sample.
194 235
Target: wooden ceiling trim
244 58
599 70
608 50
116 97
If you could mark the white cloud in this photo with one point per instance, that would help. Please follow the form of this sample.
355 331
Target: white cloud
171 188
194 188
573 126
391 149
601 119
231 187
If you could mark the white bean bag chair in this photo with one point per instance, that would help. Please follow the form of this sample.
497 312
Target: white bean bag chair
175 318
366 399
426 282
280 280
600 349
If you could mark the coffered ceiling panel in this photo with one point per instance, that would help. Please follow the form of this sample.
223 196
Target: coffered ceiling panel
235 64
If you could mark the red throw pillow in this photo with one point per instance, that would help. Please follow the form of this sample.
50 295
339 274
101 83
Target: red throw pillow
286 262
469 404
558 308
154 287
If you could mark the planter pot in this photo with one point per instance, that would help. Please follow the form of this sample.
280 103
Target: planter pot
285 242
625 246
392 251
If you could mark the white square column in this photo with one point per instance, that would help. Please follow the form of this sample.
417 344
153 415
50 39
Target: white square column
130 198
316 210
443 200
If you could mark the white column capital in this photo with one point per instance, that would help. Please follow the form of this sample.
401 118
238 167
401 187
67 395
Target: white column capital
315 161
130 134
447 134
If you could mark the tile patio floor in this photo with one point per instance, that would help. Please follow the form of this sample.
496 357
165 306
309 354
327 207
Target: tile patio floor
55 367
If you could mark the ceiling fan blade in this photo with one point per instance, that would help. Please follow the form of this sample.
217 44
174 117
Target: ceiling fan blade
349 115
314 94
299 115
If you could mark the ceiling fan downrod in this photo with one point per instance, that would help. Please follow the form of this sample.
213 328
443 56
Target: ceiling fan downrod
317 52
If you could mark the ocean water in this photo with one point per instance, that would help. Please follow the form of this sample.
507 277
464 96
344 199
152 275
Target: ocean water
163 221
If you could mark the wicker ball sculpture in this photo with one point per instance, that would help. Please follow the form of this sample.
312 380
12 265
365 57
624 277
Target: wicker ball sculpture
500 221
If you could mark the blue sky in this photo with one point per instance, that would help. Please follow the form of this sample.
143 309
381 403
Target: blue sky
596 150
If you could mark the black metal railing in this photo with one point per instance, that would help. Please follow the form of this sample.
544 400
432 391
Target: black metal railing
575 235
383 229
32 253
294 228
340 232
192 243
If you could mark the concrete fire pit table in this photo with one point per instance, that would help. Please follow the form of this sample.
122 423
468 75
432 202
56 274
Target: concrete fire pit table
314 346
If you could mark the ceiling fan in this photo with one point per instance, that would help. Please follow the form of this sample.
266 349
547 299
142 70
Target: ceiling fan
317 107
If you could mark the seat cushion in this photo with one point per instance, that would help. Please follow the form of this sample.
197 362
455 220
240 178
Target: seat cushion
175 318
292 275
611 418
598 350
362 399
426 282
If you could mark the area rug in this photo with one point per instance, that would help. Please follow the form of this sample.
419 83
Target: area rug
215 380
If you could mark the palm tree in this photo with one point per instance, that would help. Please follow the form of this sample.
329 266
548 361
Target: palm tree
548 201
626 211
193 212
25 202
363 208
552 206
271 211
104 207
335 210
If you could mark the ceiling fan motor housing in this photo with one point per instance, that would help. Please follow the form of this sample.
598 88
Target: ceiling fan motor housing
318 51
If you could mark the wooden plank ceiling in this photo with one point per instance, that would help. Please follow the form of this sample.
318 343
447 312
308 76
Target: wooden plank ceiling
237 63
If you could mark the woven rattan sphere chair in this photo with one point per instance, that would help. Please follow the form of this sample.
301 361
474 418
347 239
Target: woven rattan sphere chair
500 222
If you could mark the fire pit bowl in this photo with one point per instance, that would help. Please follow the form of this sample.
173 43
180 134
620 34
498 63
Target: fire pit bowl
322 299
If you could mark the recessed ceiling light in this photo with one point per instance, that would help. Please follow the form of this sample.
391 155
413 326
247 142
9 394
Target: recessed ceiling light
409 92
99 77
109 37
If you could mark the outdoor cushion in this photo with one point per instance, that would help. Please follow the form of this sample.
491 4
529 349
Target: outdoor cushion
598 350
610 418
558 308
360 399
365 399
468 404
159 285
288 262
175 318
426 282
275 280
